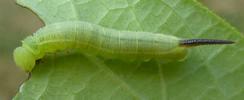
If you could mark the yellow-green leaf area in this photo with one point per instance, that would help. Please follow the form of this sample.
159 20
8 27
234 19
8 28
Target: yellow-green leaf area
208 73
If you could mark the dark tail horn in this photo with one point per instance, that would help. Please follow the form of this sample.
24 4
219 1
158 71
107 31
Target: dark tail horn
197 42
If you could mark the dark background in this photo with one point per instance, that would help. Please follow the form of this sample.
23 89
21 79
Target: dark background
17 22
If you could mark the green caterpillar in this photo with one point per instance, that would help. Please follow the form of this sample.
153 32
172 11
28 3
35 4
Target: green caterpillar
105 42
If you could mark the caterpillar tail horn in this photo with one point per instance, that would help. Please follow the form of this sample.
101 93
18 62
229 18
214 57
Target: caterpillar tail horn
198 42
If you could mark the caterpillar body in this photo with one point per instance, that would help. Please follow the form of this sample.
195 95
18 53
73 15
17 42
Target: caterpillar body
106 42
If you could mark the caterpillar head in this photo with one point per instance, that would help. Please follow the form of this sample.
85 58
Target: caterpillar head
24 58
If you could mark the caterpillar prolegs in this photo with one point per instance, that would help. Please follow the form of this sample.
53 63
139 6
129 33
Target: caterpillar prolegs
105 42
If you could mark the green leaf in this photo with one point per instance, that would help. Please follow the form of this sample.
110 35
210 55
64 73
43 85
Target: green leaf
209 72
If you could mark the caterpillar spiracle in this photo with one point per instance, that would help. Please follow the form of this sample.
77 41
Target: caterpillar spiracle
105 42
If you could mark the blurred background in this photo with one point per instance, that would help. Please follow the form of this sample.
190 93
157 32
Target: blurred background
17 22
